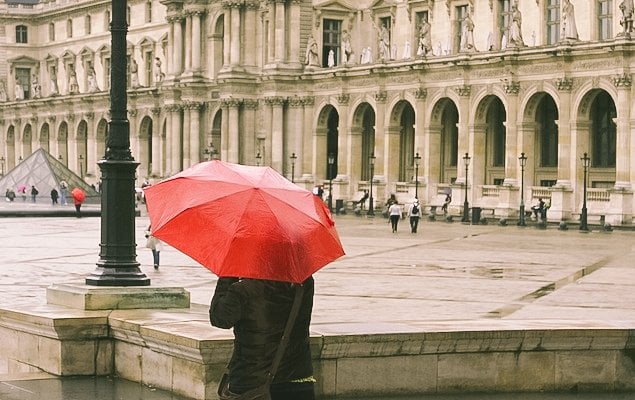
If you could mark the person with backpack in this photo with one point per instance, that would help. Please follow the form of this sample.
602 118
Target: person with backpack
34 193
414 214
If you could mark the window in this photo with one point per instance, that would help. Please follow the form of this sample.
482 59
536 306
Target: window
331 40
504 16
23 78
69 28
605 19
52 32
87 22
547 182
106 65
21 34
553 21
546 115
148 56
461 14
149 11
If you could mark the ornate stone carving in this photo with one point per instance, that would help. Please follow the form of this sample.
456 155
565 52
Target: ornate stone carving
381 96
70 117
564 84
232 3
421 93
231 102
173 108
343 99
89 115
275 101
622 81
250 104
308 100
132 113
295 101
511 87
155 110
51 118
463 91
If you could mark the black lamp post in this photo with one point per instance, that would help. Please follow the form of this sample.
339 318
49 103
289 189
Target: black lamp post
81 166
466 205
258 159
2 164
417 159
371 206
293 158
117 265
521 212
586 161
331 161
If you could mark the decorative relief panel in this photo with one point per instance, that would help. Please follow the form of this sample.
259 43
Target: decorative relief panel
622 80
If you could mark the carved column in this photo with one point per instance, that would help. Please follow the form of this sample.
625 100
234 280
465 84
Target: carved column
224 131
623 84
565 165
250 106
178 46
175 135
235 33
196 40
464 134
233 133
294 143
280 30
343 139
294 26
91 150
195 132
188 40
156 168
381 145
187 118
277 132
309 151
250 33
512 148
227 7
421 140
170 49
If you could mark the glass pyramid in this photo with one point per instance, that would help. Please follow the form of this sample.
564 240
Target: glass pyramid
45 172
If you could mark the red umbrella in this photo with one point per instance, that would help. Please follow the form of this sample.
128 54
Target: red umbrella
244 221
78 195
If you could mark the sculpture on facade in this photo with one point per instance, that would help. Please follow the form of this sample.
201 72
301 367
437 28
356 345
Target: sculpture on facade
134 74
311 57
36 89
467 33
347 48
384 44
366 56
92 80
3 92
407 51
515 34
19 91
158 73
569 29
330 61
425 39
73 86
53 89
627 8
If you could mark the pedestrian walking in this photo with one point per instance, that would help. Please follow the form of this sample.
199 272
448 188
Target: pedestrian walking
78 199
259 311
153 244
63 192
34 193
446 203
394 213
414 213
54 196
22 191
10 195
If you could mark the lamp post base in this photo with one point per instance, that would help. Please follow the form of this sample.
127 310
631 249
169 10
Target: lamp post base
466 211
521 216
583 220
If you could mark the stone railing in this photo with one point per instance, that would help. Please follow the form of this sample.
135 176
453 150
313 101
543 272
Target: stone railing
599 195
490 191
540 192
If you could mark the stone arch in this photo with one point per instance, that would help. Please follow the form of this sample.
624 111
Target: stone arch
540 137
402 124
101 134
62 143
27 136
489 141
81 147
215 134
363 146
146 145
444 135
45 137
10 147
327 131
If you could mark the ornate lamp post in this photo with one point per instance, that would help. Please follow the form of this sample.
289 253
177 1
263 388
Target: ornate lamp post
521 211
331 161
371 206
2 165
117 265
466 205
293 158
81 166
417 160
258 159
586 161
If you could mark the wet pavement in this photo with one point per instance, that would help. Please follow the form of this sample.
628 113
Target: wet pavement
447 276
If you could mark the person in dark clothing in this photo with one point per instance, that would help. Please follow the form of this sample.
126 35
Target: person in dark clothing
258 311
538 209
54 196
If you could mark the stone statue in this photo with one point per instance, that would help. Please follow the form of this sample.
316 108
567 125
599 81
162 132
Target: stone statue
92 80
134 74
407 51
36 89
73 86
347 49
569 29
331 59
467 34
424 45
158 73
367 56
19 91
3 92
53 89
384 44
627 8
515 34
311 57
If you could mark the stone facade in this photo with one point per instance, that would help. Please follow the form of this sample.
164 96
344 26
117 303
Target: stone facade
235 79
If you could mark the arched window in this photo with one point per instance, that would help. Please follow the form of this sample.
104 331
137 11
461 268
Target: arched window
604 131
21 34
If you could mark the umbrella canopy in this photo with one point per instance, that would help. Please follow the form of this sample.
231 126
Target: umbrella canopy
78 195
244 221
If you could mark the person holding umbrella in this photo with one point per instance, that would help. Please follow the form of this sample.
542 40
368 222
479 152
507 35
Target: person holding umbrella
264 237
78 198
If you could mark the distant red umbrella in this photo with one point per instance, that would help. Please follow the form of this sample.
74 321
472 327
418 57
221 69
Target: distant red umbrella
78 195
244 221
22 188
